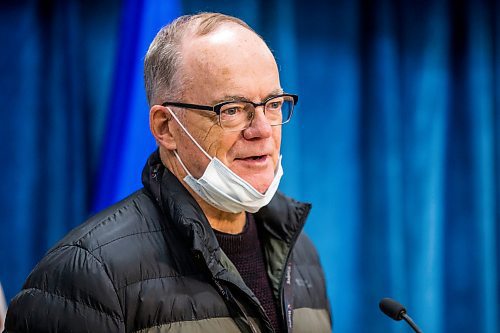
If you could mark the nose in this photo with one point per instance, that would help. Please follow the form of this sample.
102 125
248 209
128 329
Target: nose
259 127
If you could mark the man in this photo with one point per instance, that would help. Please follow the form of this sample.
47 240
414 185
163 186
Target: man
207 245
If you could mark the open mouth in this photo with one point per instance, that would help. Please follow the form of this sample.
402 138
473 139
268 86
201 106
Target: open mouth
254 158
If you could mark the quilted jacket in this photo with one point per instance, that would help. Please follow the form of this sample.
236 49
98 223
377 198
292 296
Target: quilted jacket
151 263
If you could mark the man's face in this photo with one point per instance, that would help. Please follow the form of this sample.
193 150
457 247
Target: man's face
231 61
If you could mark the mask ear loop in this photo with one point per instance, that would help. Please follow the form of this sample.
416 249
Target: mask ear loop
190 136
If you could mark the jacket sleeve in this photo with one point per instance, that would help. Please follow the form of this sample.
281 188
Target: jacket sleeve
68 291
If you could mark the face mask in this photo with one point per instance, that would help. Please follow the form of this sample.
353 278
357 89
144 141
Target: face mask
225 190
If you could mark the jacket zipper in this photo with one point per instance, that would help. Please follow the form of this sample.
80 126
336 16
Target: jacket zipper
292 244
230 298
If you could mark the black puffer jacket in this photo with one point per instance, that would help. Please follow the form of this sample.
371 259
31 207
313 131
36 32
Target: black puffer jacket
151 263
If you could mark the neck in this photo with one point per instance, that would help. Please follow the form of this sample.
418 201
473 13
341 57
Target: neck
228 223
219 220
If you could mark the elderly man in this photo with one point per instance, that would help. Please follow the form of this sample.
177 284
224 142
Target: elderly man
208 245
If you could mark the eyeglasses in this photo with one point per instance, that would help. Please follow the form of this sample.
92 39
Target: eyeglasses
238 115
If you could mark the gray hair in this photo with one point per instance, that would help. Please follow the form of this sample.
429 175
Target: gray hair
163 59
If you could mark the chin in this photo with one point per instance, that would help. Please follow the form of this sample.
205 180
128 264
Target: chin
259 179
261 184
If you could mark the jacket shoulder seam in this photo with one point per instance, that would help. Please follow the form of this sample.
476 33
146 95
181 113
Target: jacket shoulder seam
100 221
125 236
107 217
103 268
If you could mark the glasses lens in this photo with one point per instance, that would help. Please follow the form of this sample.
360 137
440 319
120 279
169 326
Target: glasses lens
235 116
279 110
238 115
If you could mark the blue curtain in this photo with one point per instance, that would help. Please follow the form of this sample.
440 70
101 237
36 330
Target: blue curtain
396 140
128 141
396 144
56 63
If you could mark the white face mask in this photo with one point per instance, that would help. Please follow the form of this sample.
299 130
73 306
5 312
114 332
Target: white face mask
225 190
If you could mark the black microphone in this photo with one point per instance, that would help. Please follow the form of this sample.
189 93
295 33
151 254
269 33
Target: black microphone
397 312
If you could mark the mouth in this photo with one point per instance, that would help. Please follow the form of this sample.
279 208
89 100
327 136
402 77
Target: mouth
254 161
253 158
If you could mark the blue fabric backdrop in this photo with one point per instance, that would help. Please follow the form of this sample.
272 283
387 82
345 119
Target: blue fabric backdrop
395 140
128 141
56 61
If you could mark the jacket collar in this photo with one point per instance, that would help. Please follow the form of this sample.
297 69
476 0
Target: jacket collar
283 217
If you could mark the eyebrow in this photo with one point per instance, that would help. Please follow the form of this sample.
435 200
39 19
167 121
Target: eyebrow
229 98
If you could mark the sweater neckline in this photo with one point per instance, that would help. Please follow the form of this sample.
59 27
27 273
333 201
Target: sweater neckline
243 242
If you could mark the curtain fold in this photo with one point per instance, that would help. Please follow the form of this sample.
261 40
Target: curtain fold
395 141
49 139
128 141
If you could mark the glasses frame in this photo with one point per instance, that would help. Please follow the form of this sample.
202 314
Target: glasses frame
217 107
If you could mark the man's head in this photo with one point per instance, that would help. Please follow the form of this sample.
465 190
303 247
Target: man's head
164 57
206 59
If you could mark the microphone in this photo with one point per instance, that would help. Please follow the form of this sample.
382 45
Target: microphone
397 312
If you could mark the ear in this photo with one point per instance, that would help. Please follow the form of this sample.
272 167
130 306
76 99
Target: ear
161 127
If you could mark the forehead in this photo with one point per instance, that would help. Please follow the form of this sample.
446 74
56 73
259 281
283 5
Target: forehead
231 60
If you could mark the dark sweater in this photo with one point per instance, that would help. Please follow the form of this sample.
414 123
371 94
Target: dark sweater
245 252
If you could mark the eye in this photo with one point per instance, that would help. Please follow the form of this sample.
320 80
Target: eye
274 105
232 111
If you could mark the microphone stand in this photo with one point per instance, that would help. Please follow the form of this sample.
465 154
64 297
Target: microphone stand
410 322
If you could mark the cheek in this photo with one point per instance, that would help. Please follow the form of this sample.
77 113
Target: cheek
277 138
224 145
192 156
194 160
206 134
